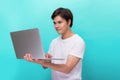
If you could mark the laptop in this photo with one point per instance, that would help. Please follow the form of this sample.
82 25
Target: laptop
29 41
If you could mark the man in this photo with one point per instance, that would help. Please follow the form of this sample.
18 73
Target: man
69 46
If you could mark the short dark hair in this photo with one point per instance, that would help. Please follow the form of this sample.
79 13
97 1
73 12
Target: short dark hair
64 13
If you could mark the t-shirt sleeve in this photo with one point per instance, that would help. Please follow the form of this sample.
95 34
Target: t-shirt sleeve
78 49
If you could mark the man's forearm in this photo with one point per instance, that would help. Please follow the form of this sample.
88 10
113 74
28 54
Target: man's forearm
59 67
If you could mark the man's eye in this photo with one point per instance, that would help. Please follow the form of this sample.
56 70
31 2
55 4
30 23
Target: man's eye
59 22
54 22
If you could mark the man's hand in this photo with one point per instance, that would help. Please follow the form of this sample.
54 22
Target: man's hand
28 57
48 55
44 63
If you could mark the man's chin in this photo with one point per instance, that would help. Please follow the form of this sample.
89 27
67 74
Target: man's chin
59 32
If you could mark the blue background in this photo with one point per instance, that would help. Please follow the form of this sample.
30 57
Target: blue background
97 21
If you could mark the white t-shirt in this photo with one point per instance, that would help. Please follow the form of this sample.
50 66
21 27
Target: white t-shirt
61 48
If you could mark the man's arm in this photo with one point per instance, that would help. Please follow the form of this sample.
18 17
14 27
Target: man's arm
65 68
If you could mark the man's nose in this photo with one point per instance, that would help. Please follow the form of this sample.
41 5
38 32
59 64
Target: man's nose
56 25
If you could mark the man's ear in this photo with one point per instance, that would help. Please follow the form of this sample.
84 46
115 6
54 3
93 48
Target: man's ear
69 22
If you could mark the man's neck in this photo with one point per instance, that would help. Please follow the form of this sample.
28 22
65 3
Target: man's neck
67 35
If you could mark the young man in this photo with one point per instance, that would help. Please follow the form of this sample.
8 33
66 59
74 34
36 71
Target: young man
69 46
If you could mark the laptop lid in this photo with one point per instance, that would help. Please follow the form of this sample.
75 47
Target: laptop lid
27 41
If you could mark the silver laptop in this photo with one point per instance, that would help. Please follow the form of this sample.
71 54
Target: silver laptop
28 41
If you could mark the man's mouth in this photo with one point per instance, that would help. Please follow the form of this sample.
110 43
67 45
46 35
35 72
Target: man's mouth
58 29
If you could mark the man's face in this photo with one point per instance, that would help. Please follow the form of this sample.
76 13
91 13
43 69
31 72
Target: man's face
61 25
